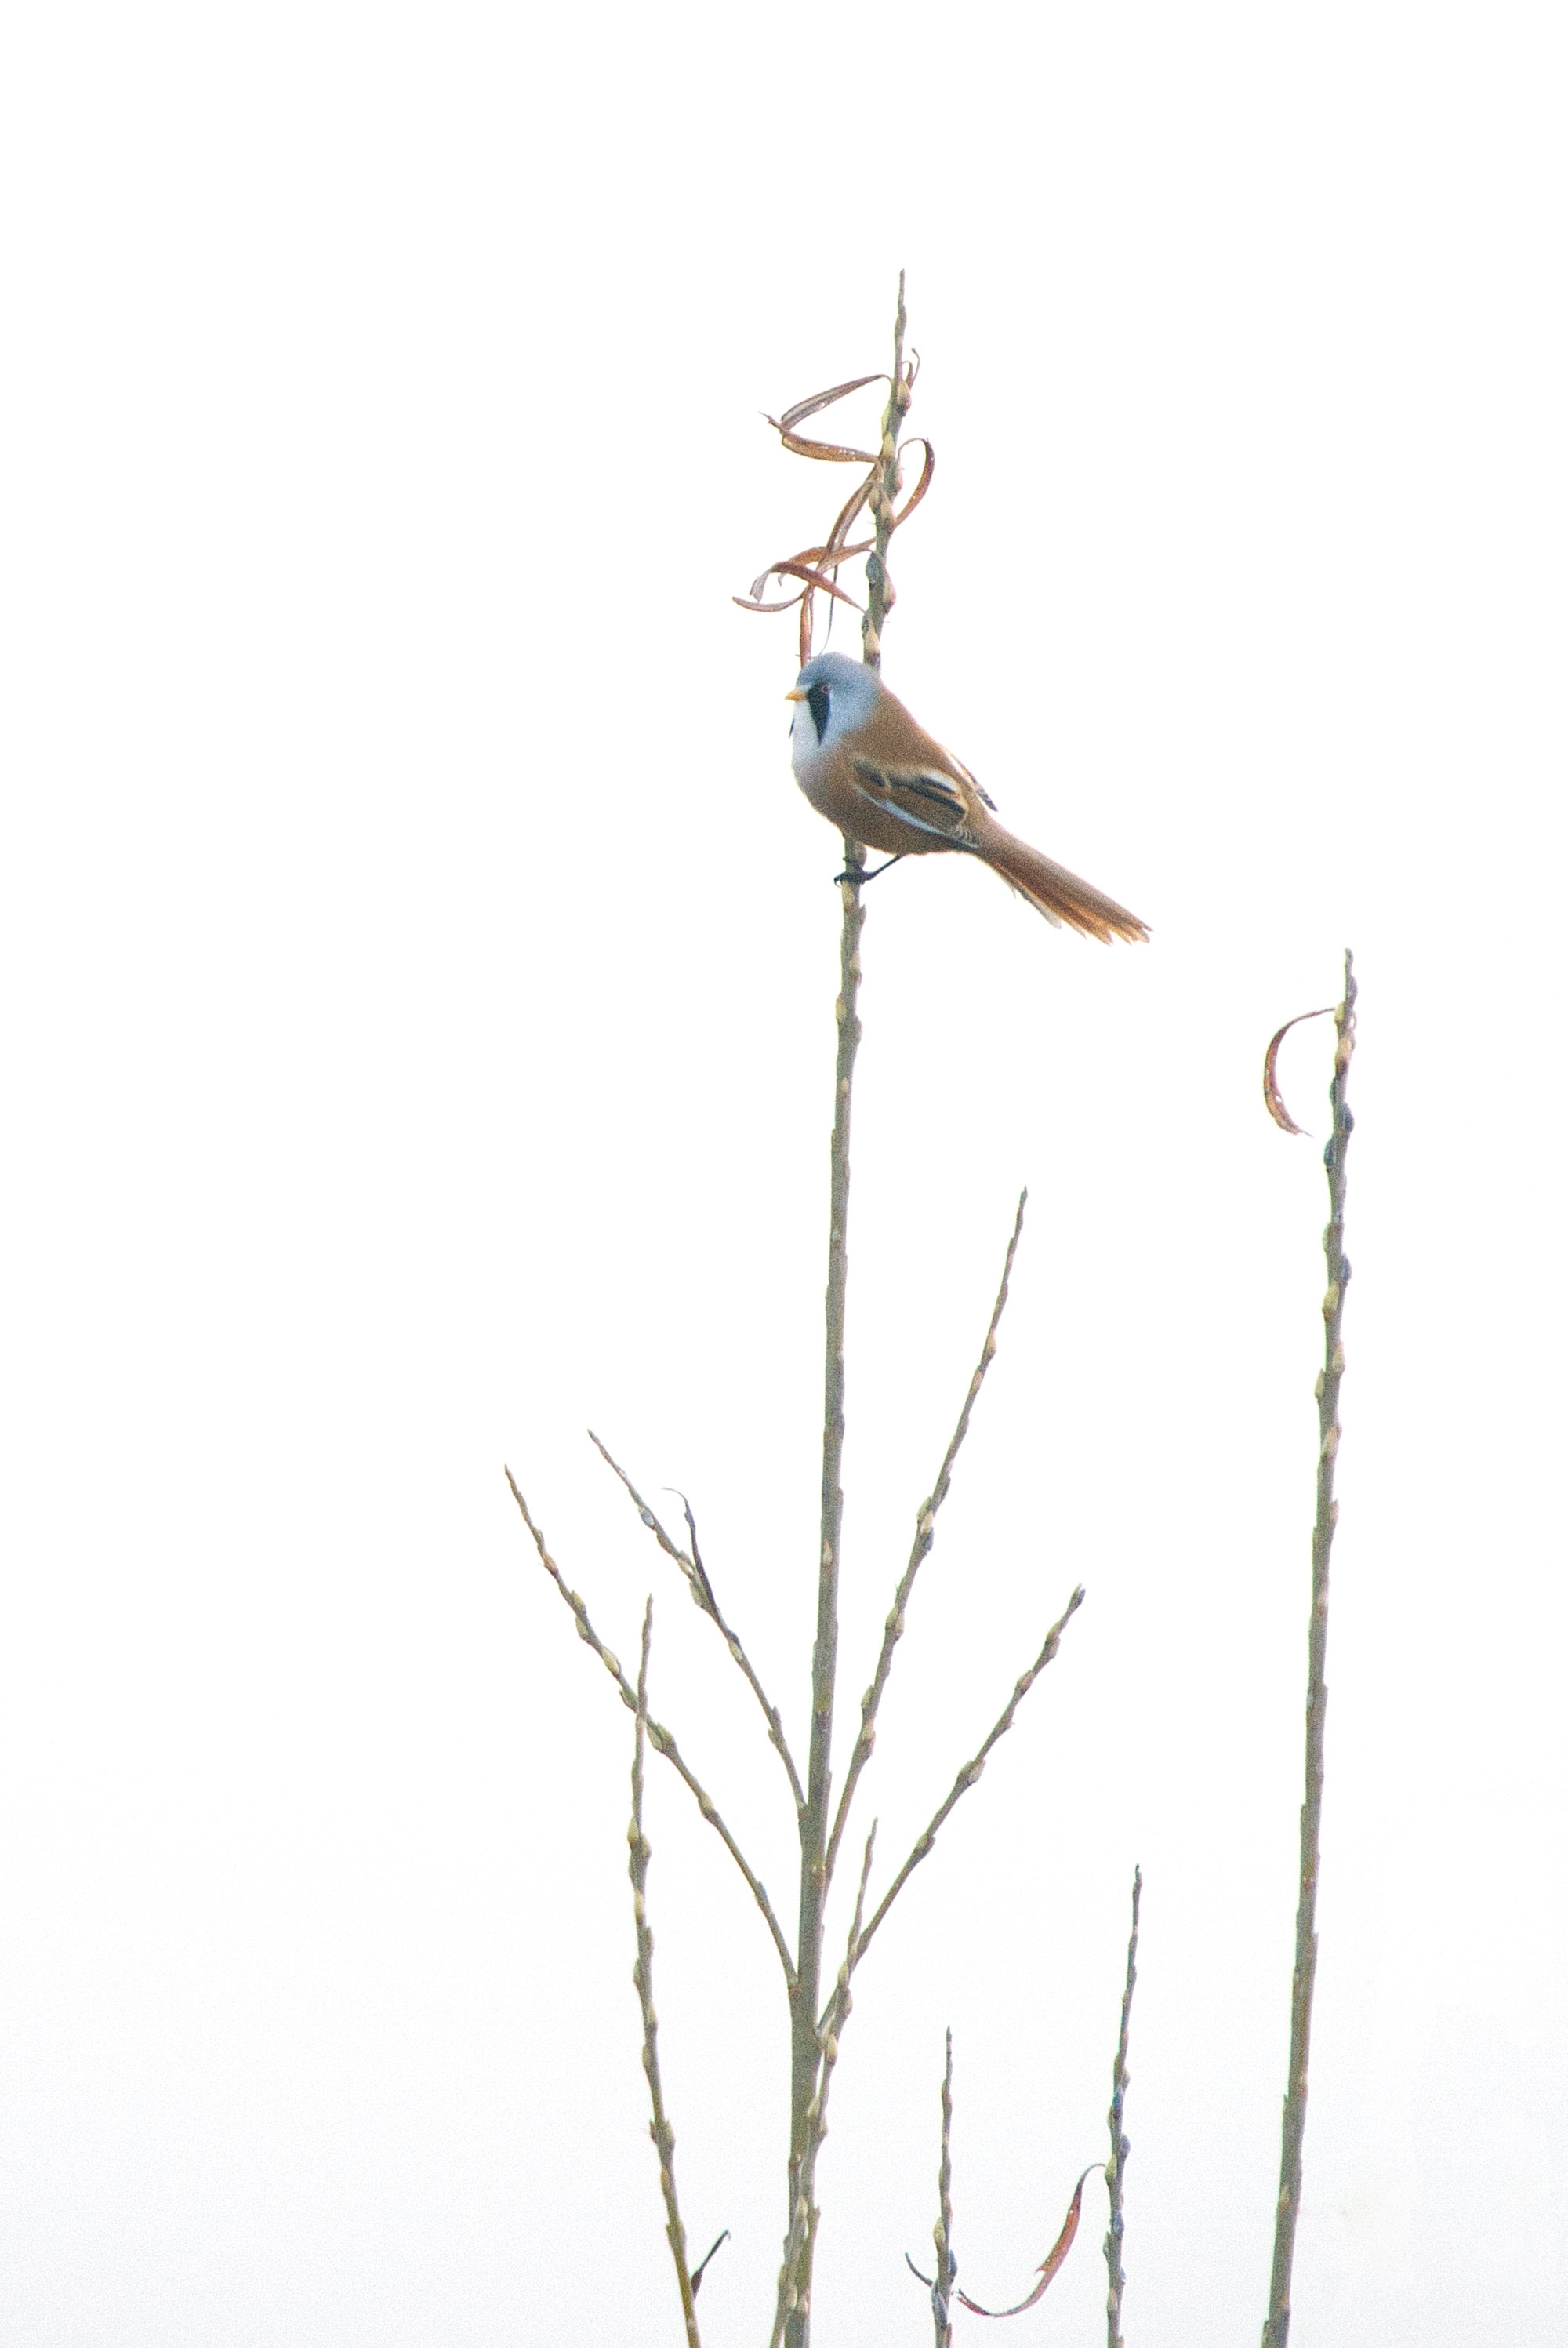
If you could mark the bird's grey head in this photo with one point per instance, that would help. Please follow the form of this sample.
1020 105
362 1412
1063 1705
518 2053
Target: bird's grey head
836 695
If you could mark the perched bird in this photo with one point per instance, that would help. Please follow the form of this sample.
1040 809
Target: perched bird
863 762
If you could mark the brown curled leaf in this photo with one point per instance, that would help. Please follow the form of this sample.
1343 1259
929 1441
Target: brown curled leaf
823 558
1271 1094
814 579
816 566
750 603
1054 2262
827 452
853 505
927 467
821 399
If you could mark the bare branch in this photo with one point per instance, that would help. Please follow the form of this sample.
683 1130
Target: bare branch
659 2127
658 1736
925 1535
969 1775
702 1591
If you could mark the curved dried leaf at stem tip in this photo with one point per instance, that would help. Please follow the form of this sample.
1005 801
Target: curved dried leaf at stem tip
1272 1099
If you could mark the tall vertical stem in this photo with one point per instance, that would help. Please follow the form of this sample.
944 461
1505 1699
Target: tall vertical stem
805 2046
942 2232
1294 2128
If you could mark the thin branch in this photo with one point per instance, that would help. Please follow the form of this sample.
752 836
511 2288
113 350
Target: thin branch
969 1775
1116 2167
925 1535
1292 2129
659 2127
658 1736
702 1591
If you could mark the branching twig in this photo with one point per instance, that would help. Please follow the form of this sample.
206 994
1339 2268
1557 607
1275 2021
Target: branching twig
1116 2167
658 1736
702 1591
1293 2131
925 1535
659 2127
969 1775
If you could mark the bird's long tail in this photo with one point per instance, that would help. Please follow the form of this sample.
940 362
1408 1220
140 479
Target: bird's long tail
1054 892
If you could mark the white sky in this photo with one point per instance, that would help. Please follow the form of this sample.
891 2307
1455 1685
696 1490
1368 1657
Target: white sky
419 966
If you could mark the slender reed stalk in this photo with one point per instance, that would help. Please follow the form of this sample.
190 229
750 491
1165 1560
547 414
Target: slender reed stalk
1277 2328
659 2127
1116 2167
805 2044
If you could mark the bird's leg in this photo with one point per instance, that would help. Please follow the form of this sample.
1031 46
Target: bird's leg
848 875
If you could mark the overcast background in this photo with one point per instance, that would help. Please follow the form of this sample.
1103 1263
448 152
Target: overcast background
419 972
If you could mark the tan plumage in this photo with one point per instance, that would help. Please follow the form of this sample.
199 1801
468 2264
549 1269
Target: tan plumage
864 764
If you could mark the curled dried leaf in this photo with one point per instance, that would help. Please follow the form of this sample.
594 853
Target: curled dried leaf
815 579
1272 1100
1052 2264
749 603
813 566
821 399
927 467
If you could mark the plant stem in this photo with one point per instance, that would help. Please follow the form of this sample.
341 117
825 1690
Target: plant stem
1293 2126
942 2232
1116 2168
884 501
659 2127
806 2045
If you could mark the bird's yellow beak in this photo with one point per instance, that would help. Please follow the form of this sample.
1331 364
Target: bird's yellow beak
795 693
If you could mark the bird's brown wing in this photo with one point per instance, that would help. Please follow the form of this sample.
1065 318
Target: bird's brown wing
934 802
